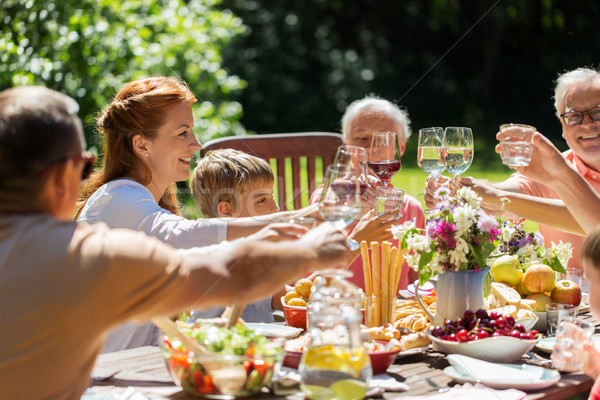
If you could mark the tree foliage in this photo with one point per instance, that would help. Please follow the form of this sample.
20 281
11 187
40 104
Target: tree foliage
89 48
477 64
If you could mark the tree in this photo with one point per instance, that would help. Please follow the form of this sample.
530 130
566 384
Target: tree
89 48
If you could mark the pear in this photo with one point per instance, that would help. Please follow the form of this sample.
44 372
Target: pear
507 269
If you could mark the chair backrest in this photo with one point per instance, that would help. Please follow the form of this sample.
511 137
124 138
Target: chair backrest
316 149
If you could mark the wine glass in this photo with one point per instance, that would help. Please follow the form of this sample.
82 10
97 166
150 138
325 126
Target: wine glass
355 158
384 155
340 199
429 155
457 149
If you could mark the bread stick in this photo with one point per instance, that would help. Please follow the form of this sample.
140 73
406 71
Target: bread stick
376 268
385 283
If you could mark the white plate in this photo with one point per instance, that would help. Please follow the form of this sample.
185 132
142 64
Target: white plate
272 330
547 344
547 377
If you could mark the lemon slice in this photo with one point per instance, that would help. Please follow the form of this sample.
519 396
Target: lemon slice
349 389
315 392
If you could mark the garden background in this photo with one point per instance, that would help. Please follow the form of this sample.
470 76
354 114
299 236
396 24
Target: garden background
265 66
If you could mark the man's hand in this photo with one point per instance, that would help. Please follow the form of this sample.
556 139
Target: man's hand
490 196
330 246
431 186
279 231
372 227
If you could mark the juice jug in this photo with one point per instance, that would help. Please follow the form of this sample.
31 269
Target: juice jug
335 365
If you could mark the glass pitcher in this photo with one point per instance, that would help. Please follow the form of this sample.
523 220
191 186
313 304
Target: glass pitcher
335 365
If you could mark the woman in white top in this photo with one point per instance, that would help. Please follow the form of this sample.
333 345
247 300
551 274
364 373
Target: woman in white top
149 142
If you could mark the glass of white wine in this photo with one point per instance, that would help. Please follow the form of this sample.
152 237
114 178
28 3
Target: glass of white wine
429 156
457 149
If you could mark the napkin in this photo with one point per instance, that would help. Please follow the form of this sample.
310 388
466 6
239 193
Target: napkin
473 392
484 371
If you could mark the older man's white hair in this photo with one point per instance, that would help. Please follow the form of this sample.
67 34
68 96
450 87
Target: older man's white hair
378 105
569 79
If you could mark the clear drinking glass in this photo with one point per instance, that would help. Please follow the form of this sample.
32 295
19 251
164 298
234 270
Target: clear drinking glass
388 200
568 354
340 200
355 158
429 153
384 155
457 149
556 311
516 146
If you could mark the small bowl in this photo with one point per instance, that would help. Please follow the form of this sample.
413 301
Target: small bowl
380 361
498 349
294 315
219 376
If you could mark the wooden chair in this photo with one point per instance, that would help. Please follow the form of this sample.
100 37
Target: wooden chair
316 149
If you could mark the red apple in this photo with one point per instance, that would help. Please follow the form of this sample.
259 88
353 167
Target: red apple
539 278
540 301
566 292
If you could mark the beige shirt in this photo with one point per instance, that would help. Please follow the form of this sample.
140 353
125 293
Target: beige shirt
62 287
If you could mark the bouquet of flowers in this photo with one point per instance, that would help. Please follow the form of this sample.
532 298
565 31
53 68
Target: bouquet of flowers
458 235
528 247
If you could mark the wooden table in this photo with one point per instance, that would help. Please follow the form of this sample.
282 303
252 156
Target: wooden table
144 369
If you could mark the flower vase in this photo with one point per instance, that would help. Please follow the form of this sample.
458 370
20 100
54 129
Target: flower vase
456 291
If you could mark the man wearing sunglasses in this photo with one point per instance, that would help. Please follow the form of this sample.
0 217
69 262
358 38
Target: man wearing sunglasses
64 285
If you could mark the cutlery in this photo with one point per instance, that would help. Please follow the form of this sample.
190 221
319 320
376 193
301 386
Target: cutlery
170 329
436 386
236 312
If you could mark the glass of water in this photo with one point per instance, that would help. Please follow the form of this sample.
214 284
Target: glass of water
516 144
388 200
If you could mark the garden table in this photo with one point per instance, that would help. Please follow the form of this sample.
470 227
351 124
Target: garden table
144 369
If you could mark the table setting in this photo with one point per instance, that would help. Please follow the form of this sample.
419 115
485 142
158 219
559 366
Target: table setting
491 313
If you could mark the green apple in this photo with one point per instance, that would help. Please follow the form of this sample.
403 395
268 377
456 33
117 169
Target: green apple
507 269
521 289
539 278
540 301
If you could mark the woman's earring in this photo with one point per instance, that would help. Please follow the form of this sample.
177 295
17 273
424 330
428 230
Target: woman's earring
146 154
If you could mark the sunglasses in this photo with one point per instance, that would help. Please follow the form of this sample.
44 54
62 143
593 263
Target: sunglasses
87 157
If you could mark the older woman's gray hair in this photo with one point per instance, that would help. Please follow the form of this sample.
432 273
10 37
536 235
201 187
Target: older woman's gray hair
377 105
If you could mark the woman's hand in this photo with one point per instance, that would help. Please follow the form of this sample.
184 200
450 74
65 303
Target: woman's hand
279 231
372 228
591 364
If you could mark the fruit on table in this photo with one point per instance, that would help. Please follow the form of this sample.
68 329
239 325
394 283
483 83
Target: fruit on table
539 278
290 295
481 325
541 300
296 301
303 287
566 292
521 289
507 269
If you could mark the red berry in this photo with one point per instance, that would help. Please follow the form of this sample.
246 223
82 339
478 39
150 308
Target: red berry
494 315
515 333
468 315
483 335
472 337
462 335
519 327
452 338
510 320
501 322
527 336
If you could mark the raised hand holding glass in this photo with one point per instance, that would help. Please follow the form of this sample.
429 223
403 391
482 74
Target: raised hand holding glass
457 149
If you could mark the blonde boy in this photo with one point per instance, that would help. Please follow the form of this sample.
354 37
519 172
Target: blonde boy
231 183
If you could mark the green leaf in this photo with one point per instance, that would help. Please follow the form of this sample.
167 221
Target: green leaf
487 284
555 265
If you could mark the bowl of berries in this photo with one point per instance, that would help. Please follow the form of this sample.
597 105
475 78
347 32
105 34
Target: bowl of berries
490 337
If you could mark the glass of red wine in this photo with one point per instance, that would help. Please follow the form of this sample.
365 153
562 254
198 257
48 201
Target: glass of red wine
340 199
384 155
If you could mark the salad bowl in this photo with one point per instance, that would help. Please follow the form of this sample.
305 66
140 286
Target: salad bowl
239 362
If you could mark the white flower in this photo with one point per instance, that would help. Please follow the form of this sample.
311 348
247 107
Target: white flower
413 260
399 231
507 233
469 196
527 251
459 254
437 264
464 217
564 252
417 242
